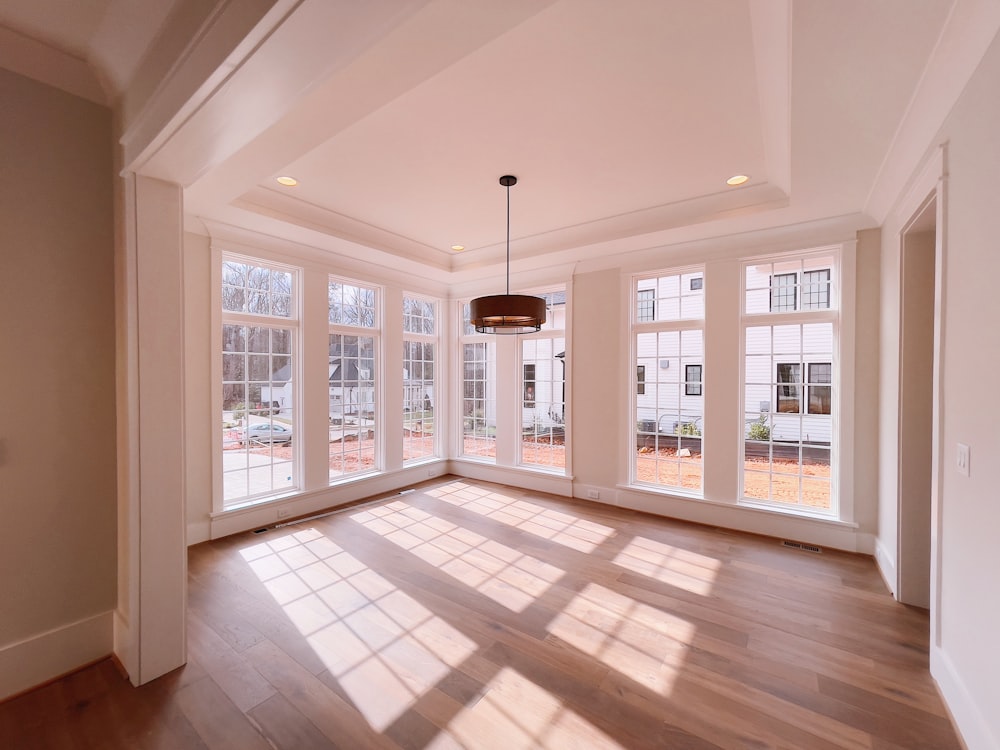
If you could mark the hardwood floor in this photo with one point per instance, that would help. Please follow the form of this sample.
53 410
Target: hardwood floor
466 614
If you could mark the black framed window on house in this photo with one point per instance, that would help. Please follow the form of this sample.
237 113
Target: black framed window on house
789 387
783 292
819 389
645 305
640 380
692 380
816 289
529 386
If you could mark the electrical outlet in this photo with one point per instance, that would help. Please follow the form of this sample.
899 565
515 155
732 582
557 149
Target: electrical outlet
593 495
284 512
962 458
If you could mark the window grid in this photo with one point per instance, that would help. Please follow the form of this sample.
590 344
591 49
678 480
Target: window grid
352 378
668 298
352 305
479 400
669 361
543 433
788 432
258 373
256 289
419 368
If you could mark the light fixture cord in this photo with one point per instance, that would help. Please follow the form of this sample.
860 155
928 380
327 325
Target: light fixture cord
508 240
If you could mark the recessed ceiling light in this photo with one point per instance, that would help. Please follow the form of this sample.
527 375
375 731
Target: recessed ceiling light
458 248
737 179
287 181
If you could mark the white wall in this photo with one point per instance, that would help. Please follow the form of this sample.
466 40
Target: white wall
965 598
968 661
57 442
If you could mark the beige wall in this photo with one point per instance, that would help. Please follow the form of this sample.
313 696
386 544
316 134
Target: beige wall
57 443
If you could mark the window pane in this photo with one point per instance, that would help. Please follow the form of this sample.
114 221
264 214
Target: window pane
258 425
352 305
670 298
257 289
669 408
788 430
543 434
418 316
479 399
418 401
352 430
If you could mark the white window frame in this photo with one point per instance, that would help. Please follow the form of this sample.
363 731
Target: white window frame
434 339
221 318
548 331
467 336
637 327
375 332
841 398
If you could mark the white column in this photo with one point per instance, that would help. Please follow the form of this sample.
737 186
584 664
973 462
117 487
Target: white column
150 626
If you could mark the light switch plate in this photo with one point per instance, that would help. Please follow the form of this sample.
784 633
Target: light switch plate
962 459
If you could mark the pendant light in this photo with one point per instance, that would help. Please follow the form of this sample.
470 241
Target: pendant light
507 313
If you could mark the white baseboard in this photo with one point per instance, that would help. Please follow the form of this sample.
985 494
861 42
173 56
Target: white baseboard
969 720
318 501
536 481
198 532
46 656
820 531
886 564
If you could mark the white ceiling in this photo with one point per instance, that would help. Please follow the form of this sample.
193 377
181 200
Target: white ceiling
621 120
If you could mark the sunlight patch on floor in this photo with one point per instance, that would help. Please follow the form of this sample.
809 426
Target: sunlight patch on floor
516 713
642 642
671 565
556 526
508 577
383 647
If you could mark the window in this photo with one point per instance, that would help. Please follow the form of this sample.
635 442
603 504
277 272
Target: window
669 356
645 305
789 285
478 407
670 298
819 396
352 368
543 383
419 392
816 289
529 386
783 292
692 380
788 374
788 395
259 373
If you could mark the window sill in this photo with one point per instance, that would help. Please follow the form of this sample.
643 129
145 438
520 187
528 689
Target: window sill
743 505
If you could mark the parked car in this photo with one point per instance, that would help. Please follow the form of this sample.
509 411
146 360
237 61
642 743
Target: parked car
265 432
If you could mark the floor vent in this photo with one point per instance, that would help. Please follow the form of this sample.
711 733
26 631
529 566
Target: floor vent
260 531
800 545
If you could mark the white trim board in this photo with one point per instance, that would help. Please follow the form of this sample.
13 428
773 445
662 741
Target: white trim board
30 662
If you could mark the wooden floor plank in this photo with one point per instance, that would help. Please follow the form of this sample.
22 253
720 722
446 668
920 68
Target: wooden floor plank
468 614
